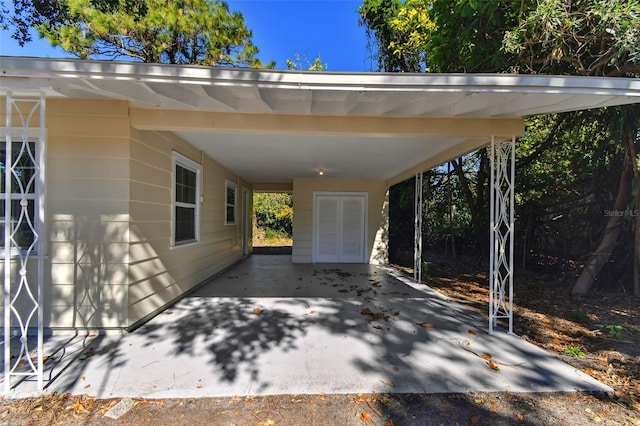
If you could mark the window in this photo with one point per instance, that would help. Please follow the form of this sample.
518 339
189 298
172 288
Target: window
186 201
23 194
231 203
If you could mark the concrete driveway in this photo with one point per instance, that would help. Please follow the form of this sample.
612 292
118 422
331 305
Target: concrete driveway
268 326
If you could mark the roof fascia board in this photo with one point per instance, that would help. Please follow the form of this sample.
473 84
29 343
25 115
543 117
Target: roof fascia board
200 121
399 82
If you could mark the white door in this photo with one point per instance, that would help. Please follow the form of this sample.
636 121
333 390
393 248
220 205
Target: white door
339 227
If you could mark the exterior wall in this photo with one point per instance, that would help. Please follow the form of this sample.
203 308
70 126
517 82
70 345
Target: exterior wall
87 213
109 260
159 272
377 215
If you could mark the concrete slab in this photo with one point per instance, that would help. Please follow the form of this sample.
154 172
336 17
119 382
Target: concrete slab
268 326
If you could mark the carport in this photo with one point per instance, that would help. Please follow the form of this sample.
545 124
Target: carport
269 326
369 127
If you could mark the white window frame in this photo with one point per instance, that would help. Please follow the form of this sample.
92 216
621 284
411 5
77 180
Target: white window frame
227 186
33 136
186 163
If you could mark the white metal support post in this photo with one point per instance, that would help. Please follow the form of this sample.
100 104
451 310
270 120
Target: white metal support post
417 237
24 195
501 232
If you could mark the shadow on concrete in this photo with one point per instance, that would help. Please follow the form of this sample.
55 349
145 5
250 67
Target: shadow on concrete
269 326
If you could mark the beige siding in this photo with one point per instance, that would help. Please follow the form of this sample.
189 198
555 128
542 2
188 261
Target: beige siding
159 273
377 216
109 257
87 213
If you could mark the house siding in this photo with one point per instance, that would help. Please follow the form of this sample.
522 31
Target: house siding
377 214
87 213
159 272
109 261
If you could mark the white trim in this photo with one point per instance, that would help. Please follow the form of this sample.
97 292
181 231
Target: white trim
45 68
417 229
38 137
186 163
231 185
246 220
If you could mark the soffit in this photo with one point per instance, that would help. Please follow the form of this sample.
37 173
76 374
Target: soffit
278 157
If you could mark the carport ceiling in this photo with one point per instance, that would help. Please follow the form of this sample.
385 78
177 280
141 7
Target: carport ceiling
276 158
249 102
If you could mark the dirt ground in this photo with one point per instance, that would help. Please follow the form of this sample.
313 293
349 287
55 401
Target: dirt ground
599 334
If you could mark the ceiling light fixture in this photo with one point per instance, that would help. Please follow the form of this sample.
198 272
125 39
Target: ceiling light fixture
321 172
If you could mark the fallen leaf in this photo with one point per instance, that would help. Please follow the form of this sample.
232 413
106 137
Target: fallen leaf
312 312
471 332
520 417
493 366
87 386
486 356
79 407
474 420
424 325
390 423
365 417
257 310
493 409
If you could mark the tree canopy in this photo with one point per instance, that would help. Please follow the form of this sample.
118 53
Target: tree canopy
571 168
179 32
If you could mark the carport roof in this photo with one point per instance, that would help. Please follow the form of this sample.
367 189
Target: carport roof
271 126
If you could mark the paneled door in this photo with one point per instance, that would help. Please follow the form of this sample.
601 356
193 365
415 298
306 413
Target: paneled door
339 227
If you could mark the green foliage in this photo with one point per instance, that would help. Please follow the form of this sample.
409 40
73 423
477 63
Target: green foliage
178 32
615 331
376 16
469 35
28 14
426 268
316 65
568 166
274 213
579 316
574 351
583 37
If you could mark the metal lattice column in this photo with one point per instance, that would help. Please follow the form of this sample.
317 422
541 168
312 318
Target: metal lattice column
24 194
417 237
501 232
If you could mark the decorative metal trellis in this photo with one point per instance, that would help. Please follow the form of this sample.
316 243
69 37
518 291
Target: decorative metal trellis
23 188
501 232
417 237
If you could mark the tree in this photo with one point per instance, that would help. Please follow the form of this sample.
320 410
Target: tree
178 32
591 38
469 33
296 63
571 168
578 37
29 14
274 212
376 16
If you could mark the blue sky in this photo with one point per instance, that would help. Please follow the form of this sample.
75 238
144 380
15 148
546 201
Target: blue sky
281 29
